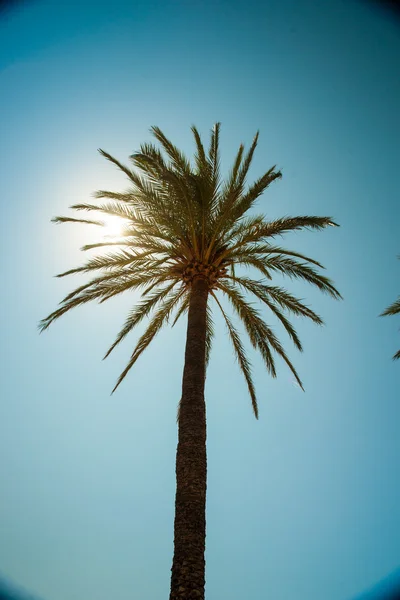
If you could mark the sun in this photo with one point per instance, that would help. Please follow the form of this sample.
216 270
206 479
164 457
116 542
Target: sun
113 226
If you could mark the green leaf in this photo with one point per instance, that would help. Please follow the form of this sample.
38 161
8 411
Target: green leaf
244 364
158 320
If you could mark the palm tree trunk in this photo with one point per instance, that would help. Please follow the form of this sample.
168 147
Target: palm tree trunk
187 580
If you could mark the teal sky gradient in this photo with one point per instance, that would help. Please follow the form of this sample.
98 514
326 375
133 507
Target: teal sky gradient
303 503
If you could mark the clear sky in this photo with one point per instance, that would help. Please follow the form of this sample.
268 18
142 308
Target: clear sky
303 503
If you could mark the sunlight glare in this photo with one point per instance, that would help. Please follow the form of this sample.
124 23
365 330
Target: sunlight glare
113 225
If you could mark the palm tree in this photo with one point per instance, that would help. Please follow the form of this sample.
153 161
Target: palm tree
393 309
186 234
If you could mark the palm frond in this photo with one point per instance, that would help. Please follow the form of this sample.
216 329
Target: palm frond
78 300
276 345
100 289
285 224
232 192
247 200
254 325
260 334
178 159
118 242
209 334
175 187
287 301
107 282
259 231
138 313
165 275
256 189
184 307
119 196
114 260
286 324
120 166
231 189
293 269
235 169
261 295
239 251
243 171
393 309
100 280
200 156
237 231
213 154
112 208
158 320
151 161
72 220
267 249
132 283
251 261
244 364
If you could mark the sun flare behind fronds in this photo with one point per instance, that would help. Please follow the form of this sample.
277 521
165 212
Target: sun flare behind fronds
113 226
182 222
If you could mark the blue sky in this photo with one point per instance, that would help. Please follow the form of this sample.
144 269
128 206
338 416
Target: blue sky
303 503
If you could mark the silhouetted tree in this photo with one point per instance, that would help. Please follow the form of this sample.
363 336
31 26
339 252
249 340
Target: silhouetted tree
186 233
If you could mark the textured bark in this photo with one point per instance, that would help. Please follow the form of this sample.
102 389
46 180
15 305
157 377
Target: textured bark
188 567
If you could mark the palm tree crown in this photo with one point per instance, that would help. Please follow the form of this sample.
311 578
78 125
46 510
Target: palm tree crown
393 309
182 222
